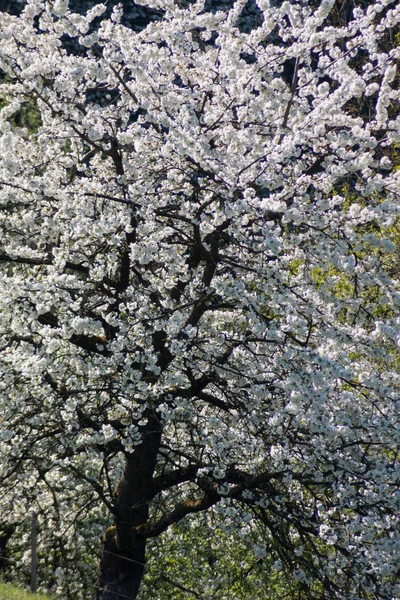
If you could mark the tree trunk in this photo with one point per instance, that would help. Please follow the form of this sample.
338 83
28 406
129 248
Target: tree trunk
123 555
121 572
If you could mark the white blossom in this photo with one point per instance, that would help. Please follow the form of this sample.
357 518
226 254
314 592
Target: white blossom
199 294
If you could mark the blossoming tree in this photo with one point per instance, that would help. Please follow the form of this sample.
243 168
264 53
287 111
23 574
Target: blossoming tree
193 314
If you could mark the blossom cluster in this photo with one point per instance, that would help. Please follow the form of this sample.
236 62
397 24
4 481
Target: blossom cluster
198 234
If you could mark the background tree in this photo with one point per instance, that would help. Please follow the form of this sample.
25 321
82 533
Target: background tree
188 302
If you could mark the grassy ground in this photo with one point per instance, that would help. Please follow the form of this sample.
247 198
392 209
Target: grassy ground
12 592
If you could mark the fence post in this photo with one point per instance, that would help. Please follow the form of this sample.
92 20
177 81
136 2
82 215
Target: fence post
33 553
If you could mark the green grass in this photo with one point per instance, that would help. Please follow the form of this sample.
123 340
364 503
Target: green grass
12 592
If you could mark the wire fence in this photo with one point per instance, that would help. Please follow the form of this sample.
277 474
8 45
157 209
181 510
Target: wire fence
34 566
137 562
115 593
97 587
34 562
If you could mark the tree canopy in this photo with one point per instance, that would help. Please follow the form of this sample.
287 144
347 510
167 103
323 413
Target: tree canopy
198 305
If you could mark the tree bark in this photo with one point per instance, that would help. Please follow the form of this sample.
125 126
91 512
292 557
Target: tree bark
121 572
123 553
